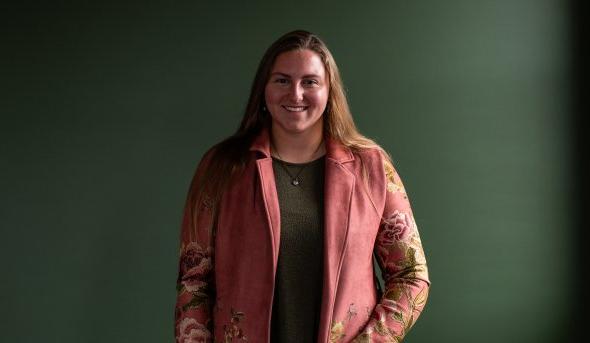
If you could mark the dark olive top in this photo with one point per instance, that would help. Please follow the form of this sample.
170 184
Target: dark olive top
298 281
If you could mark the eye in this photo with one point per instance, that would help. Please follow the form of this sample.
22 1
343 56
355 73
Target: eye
310 82
281 80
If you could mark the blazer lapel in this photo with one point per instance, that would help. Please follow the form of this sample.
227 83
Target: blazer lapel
338 190
269 192
271 204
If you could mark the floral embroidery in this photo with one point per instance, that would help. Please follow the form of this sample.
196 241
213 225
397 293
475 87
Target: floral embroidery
233 330
397 227
415 305
351 311
337 330
400 246
195 265
394 184
383 330
400 253
362 338
190 331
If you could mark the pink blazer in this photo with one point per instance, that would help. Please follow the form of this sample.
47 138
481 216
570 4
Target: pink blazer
226 276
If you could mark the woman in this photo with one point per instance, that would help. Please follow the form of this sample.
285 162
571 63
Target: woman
282 219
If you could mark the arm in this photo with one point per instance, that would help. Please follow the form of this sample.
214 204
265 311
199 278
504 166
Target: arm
401 258
193 320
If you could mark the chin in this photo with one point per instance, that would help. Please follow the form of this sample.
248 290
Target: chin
294 129
297 127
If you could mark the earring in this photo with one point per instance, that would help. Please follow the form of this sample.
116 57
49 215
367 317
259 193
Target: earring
263 108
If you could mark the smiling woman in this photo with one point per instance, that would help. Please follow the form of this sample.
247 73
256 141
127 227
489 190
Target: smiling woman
296 97
283 217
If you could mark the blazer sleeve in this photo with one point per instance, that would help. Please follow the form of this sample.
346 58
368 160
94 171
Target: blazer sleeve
400 255
195 282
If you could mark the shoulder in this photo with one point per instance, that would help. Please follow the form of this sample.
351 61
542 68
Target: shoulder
220 162
373 153
219 153
204 161
381 166
374 157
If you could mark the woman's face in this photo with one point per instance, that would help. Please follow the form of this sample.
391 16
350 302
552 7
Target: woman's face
296 93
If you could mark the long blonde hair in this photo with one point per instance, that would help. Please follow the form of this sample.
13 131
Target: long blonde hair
230 156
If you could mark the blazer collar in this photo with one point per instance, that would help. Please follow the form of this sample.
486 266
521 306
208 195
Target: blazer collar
334 149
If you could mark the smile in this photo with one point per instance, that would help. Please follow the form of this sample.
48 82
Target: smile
295 108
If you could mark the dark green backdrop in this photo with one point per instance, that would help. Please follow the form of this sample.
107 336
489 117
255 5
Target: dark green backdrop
106 109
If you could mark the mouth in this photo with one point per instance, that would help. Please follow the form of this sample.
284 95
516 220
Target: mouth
295 108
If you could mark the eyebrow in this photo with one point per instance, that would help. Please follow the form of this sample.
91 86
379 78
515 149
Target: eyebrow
304 76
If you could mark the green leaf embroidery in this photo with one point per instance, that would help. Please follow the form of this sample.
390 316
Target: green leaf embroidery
197 300
381 328
393 294
397 316
363 338
409 323
420 299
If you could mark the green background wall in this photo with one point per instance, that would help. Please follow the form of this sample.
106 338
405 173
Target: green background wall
106 109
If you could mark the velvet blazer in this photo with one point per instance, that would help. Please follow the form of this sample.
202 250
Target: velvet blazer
227 264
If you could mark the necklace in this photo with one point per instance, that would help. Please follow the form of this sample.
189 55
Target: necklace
295 181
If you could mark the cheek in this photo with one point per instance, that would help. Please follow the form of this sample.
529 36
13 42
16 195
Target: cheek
320 99
273 97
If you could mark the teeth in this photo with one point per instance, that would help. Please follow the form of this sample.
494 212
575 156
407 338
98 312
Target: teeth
295 109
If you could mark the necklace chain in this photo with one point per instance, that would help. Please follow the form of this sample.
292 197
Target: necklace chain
295 181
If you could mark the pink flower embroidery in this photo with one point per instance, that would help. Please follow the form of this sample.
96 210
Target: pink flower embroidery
397 227
195 265
190 331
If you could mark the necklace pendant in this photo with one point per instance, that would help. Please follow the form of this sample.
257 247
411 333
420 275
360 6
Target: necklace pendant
295 182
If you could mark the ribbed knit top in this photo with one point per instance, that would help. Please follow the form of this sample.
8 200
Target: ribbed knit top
298 281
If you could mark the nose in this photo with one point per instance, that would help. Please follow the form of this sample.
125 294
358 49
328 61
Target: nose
296 93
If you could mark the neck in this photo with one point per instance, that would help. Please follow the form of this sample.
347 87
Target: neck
297 148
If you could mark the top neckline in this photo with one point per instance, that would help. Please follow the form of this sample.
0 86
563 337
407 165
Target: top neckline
298 164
